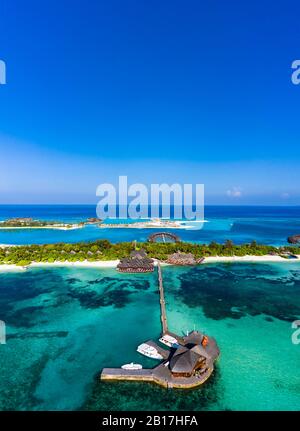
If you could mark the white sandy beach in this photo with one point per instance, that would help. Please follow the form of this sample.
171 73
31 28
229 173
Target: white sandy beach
114 263
41 227
265 258
83 264
161 224
8 268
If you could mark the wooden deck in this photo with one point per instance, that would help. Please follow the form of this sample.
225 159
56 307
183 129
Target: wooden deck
163 314
161 374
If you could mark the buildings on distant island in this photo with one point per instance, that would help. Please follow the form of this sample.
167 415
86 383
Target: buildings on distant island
294 239
153 223
30 223
93 220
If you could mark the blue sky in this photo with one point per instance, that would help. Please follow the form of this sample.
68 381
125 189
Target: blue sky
161 91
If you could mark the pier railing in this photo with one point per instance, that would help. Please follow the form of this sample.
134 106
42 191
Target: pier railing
163 314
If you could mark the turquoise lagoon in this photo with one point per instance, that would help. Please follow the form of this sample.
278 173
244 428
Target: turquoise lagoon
65 324
266 225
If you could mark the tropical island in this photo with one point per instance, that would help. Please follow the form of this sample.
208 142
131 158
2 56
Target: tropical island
152 223
30 223
108 254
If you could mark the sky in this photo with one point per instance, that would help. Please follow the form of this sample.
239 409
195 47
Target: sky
160 91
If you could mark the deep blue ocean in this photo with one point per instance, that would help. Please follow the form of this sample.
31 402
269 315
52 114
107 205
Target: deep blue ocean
265 224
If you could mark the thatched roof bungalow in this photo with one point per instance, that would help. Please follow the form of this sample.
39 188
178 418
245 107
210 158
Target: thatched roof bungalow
294 239
93 220
179 258
137 262
194 356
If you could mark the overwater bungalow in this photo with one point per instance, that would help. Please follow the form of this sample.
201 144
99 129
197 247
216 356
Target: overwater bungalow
179 258
188 365
137 262
294 239
93 220
192 358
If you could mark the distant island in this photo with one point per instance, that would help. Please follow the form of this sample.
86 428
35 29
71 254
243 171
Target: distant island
30 223
104 253
152 223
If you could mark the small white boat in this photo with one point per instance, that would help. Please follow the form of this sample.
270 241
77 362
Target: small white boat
169 341
149 351
132 366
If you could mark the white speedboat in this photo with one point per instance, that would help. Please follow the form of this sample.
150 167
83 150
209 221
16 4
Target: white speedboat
169 341
150 351
132 366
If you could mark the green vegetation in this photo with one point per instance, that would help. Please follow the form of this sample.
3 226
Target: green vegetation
104 250
29 222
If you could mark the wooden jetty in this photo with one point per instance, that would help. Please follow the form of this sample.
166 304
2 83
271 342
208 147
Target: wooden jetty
187 365
159 375
176 370
163 314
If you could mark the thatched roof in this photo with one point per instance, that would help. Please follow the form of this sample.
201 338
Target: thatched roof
294 239
138 261
184 360
194 337
127 262
179 258
200 350
138 254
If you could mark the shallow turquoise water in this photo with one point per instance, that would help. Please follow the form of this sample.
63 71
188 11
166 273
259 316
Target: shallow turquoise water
267 225
65 324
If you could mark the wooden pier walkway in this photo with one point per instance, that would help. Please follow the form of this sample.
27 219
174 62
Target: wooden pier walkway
162 374
163 314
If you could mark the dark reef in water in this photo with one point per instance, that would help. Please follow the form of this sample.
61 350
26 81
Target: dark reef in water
91 299
111 282
45 334
114 293
73 280
21 396
17 289
101 292
128 395
236 290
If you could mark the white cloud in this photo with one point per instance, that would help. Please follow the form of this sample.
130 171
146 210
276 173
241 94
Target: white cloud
234 192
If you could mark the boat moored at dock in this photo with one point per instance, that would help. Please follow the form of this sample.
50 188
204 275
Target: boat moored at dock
169 341
132 366
188 362
150 351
